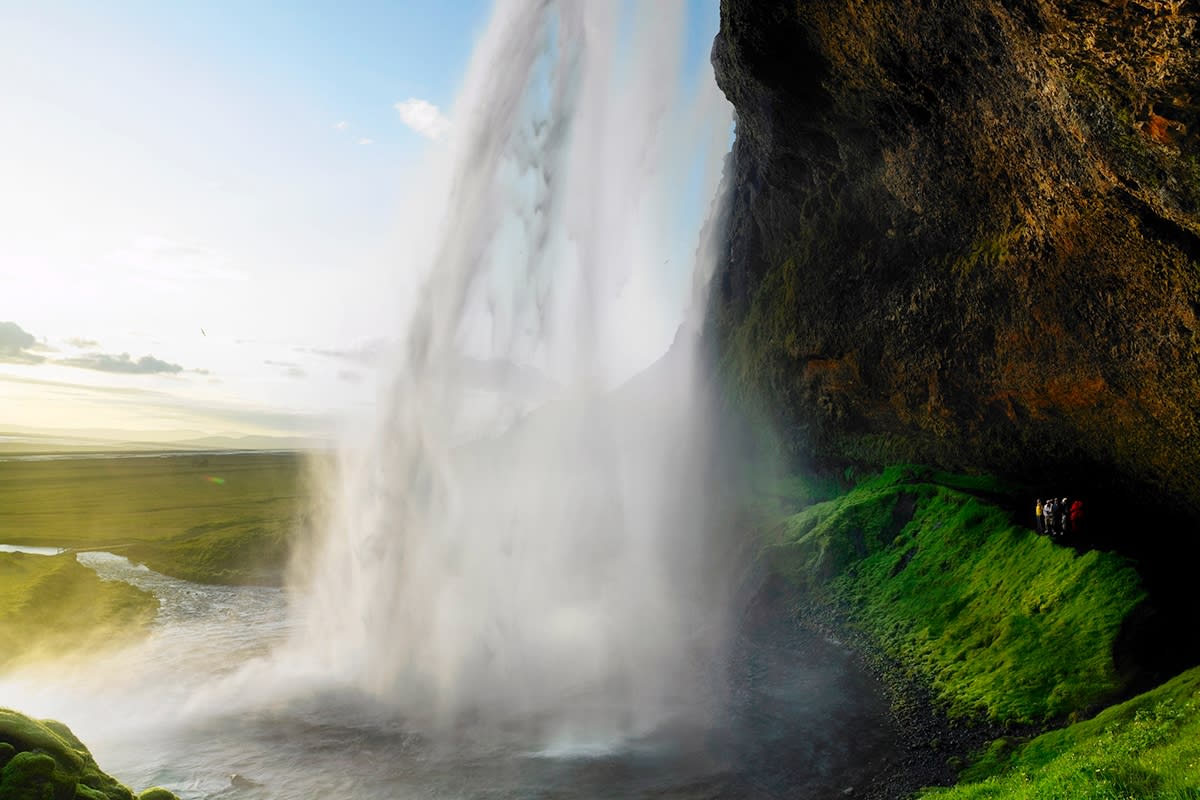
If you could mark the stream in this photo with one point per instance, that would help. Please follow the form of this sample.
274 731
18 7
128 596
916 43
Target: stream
197 707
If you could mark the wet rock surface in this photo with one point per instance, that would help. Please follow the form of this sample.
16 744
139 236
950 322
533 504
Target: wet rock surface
968 233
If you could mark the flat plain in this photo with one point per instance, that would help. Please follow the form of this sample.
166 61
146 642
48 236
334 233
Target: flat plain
226 518
208 517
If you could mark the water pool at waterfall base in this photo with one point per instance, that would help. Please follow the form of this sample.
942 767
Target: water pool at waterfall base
798 718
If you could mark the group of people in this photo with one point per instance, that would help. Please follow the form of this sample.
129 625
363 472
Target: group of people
1059 516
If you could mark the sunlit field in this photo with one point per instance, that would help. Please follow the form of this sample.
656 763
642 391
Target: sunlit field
211 518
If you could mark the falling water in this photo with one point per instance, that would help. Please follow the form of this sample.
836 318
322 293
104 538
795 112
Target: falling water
559 575
523 586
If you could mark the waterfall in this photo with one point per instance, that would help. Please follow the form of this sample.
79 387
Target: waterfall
526 540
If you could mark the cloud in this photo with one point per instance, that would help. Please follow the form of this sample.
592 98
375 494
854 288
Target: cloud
369 352
104 362
118 391
162 258
341 125
16 344
290 368
366 141
423 117
83 344
14 338
122 408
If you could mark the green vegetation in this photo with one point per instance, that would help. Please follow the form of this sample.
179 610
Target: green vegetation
45 761
988 252
208 518
54 605
213 518
999 621
220 518
1147 748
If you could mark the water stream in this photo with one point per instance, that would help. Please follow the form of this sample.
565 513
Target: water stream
29 550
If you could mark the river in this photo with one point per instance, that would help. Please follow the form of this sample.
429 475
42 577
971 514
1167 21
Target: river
188 708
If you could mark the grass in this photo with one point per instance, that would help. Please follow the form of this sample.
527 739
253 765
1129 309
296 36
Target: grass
53 605
213 518
43 760
1147 748
1000 622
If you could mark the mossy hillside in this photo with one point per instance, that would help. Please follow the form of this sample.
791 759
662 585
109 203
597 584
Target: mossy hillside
212 518
999 621
1146 748
43 760
53 605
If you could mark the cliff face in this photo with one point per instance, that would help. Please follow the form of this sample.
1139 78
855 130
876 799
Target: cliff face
967 232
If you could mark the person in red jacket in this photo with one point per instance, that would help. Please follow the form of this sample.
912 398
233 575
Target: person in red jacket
1076 516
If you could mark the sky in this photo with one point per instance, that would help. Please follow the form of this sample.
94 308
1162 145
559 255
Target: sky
201 204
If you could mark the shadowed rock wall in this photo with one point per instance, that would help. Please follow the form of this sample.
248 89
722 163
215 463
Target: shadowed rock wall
967 232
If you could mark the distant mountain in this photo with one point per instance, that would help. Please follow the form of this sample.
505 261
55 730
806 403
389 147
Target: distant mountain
16 439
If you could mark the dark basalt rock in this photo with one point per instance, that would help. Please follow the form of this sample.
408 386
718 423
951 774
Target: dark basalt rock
967 232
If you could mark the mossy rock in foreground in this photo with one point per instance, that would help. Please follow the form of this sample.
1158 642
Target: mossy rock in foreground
43 760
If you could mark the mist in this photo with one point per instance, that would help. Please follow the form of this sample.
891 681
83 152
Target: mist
491 560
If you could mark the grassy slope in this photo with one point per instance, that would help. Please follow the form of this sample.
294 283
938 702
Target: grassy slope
1147 748
1000 621
54 605
40 760
216 518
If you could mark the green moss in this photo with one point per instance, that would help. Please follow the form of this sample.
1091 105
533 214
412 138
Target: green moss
157 793
999 621
43 760
1113 111
987 253
772 497
875 448
1148 747
50 763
